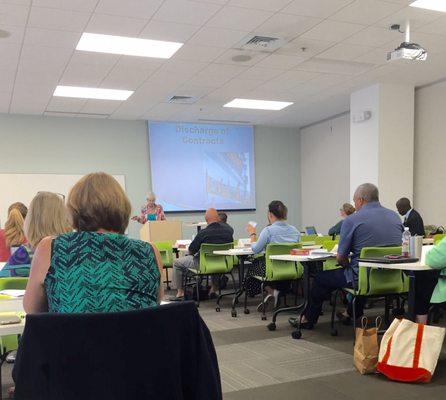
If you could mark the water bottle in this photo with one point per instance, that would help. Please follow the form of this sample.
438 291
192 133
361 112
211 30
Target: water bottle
405 247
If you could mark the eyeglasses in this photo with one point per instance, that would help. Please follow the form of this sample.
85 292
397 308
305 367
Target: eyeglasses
62 196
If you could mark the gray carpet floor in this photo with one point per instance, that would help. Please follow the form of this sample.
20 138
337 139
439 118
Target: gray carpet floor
262 365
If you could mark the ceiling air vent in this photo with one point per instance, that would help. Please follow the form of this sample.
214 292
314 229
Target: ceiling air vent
261 43
182 99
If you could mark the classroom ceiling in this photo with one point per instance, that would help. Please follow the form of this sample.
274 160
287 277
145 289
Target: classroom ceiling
345 44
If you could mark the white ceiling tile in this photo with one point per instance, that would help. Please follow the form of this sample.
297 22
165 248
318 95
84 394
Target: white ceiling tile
5 98
234 88
100 107
332 31
436 27
65 104
376 56
306 48
417 17
260 74
129 8
7 77
52 38
186 12
9 55
227 57
373 36
280 61
266 5
28 75
16 34
115 25
77 5
30 99
198 53
366 11
236 18
345 52
176 32
13 14
189 89
334 66
316 8
44 56
287 25
263 93
52 18
216 75
217 37
183 68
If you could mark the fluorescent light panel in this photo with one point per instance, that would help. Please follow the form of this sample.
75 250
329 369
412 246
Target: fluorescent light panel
92 93
434 5
258 104
127 45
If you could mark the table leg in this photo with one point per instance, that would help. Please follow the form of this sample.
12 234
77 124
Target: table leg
411 297
241 283
297 334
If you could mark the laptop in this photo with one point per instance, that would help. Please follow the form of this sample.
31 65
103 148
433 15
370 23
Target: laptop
310 230
389 260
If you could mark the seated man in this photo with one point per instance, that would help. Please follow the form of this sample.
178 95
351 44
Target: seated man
224 220
215 233
372 225
412 218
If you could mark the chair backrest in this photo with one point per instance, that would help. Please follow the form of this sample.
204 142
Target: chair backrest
374 281
319 240
438 237
278 270
308 238
211 263
13 283
329 244
166 251
57 351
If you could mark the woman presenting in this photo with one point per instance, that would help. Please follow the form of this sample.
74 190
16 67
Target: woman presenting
150 211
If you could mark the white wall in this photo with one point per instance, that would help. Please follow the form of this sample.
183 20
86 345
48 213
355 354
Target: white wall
430 153
31 144
325 173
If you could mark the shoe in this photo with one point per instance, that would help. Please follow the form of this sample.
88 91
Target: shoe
175 298
344 319
10 358
294 322
270 301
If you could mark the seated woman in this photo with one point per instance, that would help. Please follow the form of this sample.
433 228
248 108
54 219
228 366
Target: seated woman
346 210
47 216
150 211
13 236
97 268
436 258
278 231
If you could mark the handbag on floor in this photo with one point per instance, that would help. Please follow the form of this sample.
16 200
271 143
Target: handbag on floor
365 356
409 352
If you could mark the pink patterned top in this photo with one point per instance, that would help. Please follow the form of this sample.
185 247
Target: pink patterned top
157 209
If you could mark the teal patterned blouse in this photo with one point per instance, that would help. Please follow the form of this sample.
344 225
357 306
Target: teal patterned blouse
101 272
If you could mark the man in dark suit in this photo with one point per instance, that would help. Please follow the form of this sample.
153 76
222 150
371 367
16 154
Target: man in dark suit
412 219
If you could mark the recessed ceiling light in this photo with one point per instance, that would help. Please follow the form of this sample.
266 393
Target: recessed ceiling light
258 104
92 93
127 45
435 5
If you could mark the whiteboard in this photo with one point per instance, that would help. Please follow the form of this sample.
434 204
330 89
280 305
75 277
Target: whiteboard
23 187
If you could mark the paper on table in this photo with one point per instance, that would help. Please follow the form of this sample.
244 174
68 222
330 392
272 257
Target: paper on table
182 243
244 243
13 292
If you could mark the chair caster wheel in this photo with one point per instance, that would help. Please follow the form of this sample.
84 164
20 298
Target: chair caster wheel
263 318
334 332
217 309
271 326
246 311
296 335
233 313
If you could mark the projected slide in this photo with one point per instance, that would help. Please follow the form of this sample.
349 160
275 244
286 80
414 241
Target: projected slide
197 166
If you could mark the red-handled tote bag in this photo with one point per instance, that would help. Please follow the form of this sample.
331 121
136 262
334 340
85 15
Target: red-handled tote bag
409 352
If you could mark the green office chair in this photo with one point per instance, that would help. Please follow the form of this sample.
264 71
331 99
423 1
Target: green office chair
439 237
330 264
276 271
373 282
211 264
10 342
166 251
319 240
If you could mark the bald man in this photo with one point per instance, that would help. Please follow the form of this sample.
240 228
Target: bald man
215 233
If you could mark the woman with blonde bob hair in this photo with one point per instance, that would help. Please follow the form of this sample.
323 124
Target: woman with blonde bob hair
47 216
96 268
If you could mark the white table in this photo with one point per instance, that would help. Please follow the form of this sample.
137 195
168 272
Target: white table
12 304
308 262
242 253
410 267
12 329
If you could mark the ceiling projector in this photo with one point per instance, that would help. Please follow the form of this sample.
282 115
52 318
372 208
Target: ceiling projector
407 50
